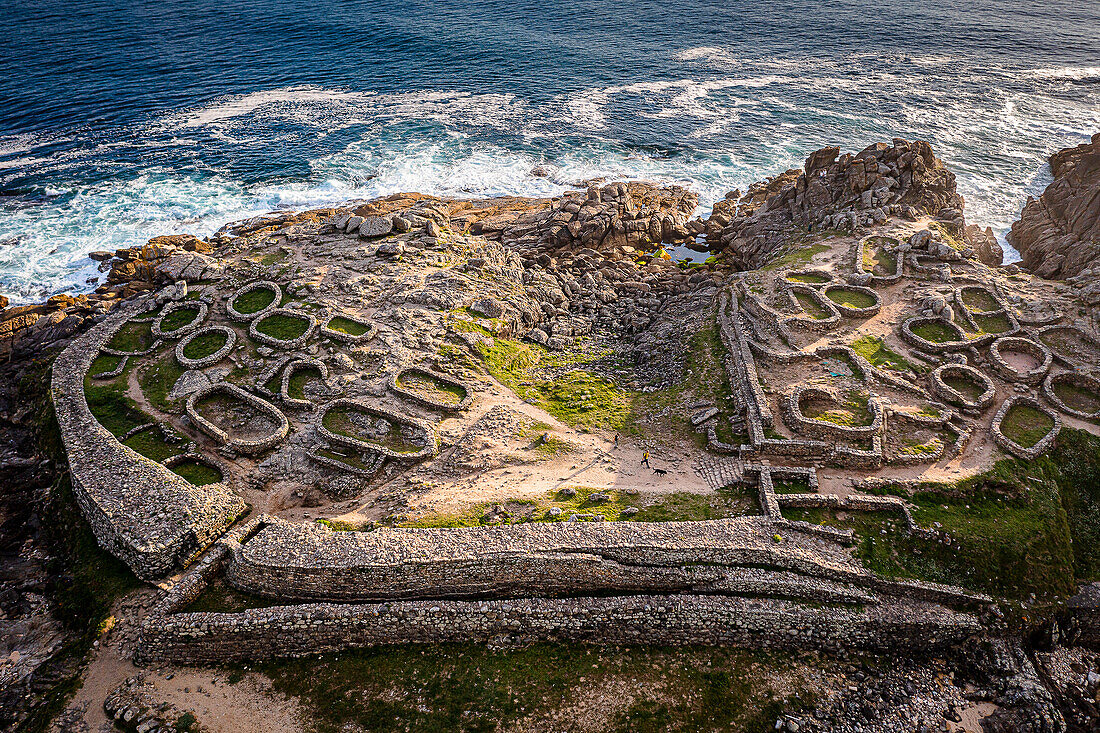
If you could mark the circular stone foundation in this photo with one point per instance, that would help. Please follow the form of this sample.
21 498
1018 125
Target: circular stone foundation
1015 418
334 430
290 370
1074 394
854 301
818 312
211 358
931 333
1070 345
432 389
196 468
978 300
244 296
948 382
157 328
284 316
348 330
813 278
251 445
1018 359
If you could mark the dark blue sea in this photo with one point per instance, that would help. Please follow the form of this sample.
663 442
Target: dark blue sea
123 120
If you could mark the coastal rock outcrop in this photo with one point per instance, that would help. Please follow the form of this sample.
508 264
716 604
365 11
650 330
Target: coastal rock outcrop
1058 234
604 218
836 191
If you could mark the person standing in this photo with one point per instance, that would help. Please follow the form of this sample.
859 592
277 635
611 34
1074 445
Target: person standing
645 459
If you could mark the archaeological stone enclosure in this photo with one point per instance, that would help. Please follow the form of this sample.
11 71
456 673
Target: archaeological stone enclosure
376 353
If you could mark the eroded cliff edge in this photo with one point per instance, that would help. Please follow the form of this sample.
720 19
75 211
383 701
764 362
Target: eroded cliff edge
1058 234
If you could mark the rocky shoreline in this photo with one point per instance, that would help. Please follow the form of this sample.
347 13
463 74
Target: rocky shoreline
561 270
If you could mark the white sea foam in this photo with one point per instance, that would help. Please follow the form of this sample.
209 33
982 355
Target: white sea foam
1073 73
745 118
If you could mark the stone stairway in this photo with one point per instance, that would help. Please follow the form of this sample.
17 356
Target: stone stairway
719 472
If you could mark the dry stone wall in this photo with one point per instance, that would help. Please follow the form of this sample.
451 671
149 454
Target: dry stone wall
294 561
217 638
140 511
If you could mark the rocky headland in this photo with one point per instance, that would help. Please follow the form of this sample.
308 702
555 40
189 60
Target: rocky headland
1058 234
853 437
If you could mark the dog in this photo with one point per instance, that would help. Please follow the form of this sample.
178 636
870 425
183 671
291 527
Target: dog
660 471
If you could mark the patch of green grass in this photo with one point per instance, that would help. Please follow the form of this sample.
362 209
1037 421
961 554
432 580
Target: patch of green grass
810 278
272 258
551 445
1074 466
878 261
851 298
348 326
583 399
969 388
1022 527
104 363
254 301
342 421
683 506
979 299
880 355
810 305
1001 545
997 323
283 326
132 337
112 407
1025 425
205 344
914 447
576 397
151 444
186 723
853 412
296 385
1076 397
179 318
674 507
467 688
197 473
158 378
937 332
791 486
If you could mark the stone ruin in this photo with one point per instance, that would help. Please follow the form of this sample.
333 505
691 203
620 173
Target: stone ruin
330 377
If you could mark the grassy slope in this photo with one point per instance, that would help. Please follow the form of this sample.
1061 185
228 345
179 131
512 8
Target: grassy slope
1023 527
452 687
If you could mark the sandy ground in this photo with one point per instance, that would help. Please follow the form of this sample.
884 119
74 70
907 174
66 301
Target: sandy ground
246 706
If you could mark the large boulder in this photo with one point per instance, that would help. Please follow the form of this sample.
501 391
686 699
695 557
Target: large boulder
985 244
1058 234
835 191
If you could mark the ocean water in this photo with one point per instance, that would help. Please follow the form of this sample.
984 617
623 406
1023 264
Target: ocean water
123 120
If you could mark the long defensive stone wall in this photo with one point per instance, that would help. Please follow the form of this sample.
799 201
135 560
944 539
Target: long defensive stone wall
140 511
311 562
255 634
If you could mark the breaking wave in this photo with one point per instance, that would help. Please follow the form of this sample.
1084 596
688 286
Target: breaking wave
711 117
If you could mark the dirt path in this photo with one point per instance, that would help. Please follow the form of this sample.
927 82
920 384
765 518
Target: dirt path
247 705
